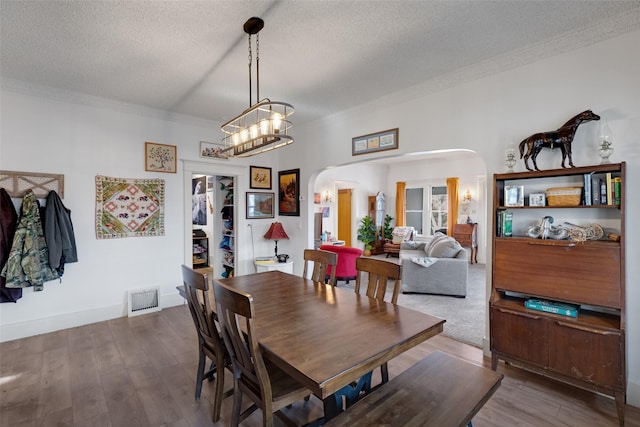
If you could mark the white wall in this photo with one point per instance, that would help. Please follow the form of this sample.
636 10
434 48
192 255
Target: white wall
79 139
82 137
488 114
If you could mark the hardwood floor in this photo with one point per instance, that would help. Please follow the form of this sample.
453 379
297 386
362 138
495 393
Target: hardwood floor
140 371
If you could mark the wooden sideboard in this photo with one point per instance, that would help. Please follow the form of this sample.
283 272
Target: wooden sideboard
587 350
466 235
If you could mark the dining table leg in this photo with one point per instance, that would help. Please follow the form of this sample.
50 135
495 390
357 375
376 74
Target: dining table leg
331 409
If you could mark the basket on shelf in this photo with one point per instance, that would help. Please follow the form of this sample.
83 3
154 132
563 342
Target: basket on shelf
564 196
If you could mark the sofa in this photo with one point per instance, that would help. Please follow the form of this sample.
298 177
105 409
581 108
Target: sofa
447 273
346 266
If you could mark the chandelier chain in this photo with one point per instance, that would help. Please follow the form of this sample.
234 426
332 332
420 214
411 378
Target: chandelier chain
250 59
257 68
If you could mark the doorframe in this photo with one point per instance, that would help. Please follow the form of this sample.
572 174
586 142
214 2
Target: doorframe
190 167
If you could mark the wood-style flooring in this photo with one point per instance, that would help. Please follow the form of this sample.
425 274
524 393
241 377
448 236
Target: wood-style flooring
140 371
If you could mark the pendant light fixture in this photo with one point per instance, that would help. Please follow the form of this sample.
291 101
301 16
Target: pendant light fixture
264 125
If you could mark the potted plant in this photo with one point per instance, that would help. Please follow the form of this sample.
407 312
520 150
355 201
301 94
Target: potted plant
387 230
367 234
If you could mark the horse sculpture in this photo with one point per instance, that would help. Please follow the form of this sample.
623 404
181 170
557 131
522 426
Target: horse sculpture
558 138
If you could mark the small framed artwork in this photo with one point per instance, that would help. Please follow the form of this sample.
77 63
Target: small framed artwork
316 198
514 195
159 157
373 142
260 205
211 150
537 199
289 192
260 178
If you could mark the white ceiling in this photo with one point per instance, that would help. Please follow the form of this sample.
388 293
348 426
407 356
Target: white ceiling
190 57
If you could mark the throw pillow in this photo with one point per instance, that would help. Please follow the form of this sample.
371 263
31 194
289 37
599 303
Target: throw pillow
445 248
435 239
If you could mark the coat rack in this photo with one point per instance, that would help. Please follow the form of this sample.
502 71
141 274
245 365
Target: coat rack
17 183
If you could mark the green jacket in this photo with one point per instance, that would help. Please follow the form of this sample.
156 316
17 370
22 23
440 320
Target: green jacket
28 263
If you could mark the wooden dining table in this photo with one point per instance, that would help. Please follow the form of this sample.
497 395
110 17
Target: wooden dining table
326 337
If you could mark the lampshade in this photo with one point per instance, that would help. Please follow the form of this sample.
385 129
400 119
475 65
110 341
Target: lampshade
276 232
264 125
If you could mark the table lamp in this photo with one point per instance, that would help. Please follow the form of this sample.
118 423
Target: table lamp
276 232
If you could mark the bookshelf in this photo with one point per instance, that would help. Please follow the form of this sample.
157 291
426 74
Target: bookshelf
587 350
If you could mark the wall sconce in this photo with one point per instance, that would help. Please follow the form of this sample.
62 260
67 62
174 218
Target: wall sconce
326 196
467 196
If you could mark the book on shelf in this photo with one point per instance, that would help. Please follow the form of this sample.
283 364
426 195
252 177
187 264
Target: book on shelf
553 307
504 223
609 188
588 178
265 260
617 188
595 189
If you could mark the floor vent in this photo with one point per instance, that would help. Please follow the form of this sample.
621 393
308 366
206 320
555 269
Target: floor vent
143 301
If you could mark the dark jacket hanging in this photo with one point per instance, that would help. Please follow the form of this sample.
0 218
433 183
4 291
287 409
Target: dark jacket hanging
58 232
8 225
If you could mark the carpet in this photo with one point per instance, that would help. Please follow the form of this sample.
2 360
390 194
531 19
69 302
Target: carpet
465 317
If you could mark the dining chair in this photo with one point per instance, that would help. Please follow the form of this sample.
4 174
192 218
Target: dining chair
210 343
269 387
321 260
379 274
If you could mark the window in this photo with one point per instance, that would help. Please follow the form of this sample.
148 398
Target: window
426 214
414 208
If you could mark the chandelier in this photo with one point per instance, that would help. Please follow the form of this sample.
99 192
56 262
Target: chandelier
264 125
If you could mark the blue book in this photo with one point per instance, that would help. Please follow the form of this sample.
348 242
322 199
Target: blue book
552 307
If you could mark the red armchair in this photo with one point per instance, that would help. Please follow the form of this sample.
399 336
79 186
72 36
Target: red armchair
346 266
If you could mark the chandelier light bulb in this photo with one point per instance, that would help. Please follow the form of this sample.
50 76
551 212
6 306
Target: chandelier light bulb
276 118
235 138
264 126
254 131
244 135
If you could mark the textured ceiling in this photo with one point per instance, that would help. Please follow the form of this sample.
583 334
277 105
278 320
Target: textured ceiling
190 57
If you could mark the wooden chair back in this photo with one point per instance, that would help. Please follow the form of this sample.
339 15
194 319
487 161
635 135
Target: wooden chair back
379 274
210 342
321 260
266 385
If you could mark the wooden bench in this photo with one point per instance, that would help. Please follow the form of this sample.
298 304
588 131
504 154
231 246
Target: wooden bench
439 391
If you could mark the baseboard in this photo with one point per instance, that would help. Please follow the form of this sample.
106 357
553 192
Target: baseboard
14 331
633 394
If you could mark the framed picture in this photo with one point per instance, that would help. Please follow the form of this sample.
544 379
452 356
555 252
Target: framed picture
316 198
289 192
373 142
211 150
260 205
260 177
199 200
159 157
537 199
514 195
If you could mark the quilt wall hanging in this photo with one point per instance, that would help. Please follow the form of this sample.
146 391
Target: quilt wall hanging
129 207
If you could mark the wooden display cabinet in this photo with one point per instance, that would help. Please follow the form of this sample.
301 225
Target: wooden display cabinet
589 350
466 235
